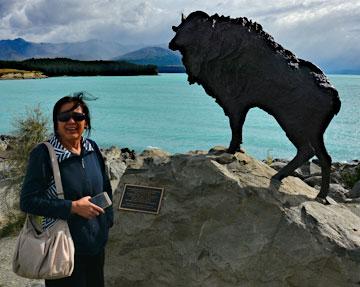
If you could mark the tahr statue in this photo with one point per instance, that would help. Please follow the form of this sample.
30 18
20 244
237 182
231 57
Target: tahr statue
242 67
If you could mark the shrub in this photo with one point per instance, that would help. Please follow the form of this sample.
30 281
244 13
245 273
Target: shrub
28 132
349 178
269 158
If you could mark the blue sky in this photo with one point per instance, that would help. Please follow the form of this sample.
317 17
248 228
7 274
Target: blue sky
323 31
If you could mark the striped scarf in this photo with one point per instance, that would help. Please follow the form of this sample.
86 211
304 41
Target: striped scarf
62 154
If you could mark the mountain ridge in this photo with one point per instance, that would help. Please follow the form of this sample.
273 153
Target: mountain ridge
165 59
159 55
20 49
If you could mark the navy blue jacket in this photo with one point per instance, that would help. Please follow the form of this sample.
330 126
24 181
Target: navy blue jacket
81 175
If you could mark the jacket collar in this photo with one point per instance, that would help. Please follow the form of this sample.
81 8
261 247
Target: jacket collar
62 153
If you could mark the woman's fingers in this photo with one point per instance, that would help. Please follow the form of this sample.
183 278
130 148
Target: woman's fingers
85 208
97 208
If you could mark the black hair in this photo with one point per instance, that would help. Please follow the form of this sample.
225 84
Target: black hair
78 99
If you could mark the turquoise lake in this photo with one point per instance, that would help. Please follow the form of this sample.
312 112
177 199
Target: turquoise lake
166 112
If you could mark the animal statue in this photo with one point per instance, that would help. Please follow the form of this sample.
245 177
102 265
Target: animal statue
242 67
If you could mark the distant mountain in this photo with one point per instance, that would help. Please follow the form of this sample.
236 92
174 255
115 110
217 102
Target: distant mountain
165 59
341 65
152 55
19 49
355 71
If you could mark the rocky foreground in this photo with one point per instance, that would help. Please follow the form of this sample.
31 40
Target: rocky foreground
223 222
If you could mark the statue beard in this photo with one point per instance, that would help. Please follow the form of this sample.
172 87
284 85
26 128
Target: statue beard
193 68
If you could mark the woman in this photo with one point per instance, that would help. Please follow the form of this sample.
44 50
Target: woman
83 176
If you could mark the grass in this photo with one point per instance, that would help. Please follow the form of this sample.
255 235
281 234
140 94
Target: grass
13 226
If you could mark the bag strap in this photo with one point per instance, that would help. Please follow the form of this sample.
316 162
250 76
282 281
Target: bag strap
56 170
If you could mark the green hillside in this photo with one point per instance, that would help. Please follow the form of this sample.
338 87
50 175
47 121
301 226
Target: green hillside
68 67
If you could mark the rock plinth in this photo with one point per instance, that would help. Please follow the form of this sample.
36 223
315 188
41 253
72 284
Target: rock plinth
355 191
223 222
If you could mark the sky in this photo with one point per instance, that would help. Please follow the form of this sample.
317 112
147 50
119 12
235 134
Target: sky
323 31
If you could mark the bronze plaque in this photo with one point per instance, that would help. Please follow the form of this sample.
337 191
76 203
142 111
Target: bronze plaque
141 198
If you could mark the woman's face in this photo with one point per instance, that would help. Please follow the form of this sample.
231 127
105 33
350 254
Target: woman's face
70 130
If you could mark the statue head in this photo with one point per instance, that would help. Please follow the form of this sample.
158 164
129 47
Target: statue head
191 37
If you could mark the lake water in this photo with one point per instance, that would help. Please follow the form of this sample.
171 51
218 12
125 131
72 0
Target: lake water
166 112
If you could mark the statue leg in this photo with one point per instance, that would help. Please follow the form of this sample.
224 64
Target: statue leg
304 153
236 123
325 162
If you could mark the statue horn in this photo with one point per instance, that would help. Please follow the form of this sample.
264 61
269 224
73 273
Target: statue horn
183 17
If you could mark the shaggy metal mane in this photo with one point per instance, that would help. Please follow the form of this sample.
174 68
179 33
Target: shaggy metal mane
257 29
291 59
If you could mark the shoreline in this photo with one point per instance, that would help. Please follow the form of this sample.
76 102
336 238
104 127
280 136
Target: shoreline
64 76
5 141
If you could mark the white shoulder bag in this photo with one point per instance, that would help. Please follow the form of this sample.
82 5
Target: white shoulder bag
50 254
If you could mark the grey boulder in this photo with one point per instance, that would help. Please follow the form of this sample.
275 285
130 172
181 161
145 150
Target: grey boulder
225 223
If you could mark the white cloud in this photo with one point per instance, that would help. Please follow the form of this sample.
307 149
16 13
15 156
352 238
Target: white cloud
6 7
315 29
322 33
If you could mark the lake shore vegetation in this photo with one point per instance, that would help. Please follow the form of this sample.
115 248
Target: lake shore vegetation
68 67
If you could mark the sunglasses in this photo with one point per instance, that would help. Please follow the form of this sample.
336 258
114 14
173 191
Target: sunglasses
64 117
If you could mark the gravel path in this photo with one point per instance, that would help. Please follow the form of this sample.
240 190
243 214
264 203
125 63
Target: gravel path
7 277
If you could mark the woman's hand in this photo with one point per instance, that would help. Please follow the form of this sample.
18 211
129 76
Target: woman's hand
85 208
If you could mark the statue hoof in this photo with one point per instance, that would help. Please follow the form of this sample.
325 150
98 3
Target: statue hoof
231 150
277 177
322 200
